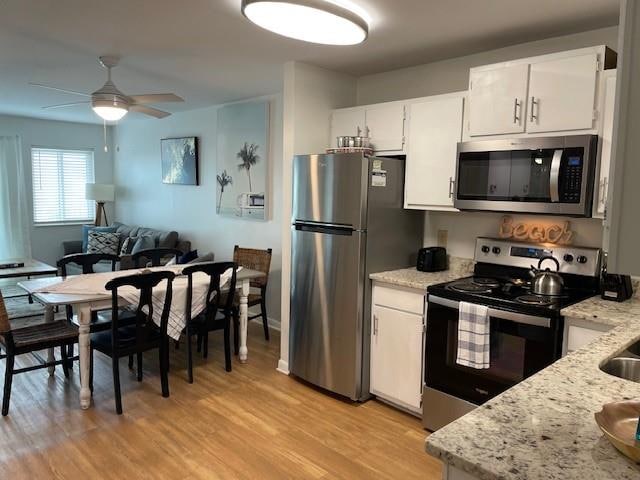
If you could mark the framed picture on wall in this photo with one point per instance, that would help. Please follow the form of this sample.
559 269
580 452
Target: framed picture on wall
179 160
243 160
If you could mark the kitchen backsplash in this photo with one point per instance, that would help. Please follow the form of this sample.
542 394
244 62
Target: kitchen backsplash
462 228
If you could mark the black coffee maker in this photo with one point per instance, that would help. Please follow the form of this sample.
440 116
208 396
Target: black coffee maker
614 287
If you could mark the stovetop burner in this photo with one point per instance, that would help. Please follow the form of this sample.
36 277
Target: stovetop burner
486 282
531 299
470 287
507 289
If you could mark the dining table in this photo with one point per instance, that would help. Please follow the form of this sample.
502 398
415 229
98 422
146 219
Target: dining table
84 304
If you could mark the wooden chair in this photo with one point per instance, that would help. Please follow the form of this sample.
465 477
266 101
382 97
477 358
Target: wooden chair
30 339
259 260
217 313
128 340
154 255
99 321
87 261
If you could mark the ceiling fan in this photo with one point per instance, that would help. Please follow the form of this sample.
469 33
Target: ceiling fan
110 103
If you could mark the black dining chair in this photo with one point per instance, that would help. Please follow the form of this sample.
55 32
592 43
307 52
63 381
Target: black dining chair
217 312
30 339
100 320
87 261
128 340
154 256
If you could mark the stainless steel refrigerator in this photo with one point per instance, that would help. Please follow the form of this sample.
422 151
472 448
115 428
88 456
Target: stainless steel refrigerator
348 222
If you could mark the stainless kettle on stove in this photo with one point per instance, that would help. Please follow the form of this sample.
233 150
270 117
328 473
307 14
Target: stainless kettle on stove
546 282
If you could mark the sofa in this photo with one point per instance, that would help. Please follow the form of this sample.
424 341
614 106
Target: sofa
163 239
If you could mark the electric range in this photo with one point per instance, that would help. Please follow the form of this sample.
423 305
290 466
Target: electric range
526 330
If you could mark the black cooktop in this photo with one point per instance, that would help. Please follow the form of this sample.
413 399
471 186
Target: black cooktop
509 293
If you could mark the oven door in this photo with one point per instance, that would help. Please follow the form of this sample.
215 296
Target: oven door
535 176
521 345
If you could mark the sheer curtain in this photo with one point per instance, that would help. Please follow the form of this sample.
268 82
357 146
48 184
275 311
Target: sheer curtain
14 229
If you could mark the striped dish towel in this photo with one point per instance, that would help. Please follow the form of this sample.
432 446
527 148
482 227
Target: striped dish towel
473 336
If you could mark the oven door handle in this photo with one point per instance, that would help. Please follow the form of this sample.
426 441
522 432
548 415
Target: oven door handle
554 177
496 313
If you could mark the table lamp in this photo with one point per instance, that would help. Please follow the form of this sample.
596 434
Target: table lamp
100 193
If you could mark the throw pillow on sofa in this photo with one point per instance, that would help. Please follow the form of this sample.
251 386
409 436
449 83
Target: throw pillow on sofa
92 228
143 242
208 257
187 257
103 242
127 245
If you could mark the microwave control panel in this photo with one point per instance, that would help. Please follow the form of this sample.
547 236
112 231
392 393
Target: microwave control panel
571 180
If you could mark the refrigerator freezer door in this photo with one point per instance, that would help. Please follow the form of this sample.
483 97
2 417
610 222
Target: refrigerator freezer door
331 189
325 339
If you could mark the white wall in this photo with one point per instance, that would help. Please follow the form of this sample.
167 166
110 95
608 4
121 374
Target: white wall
452 75
142 198
310 93
463 227
46 241
623 228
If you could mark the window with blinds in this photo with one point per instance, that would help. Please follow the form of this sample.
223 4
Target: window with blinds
59 179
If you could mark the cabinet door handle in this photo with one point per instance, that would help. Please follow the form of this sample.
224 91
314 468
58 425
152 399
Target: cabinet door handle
534 115
375 325
516 117
452 184
605 190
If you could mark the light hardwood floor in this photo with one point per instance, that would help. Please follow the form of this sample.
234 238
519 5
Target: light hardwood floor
252 423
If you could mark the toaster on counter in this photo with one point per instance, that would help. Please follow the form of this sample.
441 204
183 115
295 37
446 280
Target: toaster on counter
432 259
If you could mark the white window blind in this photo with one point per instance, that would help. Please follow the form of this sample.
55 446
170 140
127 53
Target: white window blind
59 179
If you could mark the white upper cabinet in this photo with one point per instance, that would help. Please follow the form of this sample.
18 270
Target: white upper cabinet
385 126
347 122
562 94
383 123
435 128
608 86
549 94
497 99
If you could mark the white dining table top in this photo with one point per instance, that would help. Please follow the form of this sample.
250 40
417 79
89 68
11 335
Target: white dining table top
33 287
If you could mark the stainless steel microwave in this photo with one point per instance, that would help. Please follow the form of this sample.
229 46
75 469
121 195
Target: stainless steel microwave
550 175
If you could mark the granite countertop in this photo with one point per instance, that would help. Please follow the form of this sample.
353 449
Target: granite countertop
605 312
412 278
543 428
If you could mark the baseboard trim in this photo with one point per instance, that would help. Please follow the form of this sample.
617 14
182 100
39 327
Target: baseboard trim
273 323
283 367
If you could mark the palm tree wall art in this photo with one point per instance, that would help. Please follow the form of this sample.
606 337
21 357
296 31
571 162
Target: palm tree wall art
223 180
243 147
249 158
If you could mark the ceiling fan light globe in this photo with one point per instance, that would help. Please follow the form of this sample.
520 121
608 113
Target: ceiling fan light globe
110 114
110 110
312 21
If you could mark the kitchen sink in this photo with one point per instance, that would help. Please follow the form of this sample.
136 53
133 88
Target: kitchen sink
625 365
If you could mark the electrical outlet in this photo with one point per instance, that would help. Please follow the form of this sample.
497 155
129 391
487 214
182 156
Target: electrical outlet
442 238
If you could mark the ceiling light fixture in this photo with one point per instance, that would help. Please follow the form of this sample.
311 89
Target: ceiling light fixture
315 21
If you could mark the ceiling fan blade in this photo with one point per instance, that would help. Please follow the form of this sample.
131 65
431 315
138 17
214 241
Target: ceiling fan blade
155 98
59 89
154 112
72 104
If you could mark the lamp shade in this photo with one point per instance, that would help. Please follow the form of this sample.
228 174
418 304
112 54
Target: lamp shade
100 192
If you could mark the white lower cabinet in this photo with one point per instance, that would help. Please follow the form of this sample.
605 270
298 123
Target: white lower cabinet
579 332
397 340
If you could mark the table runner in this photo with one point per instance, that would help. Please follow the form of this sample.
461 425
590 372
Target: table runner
94 284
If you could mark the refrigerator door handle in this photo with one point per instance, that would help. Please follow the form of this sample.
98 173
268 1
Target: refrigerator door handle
327 228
